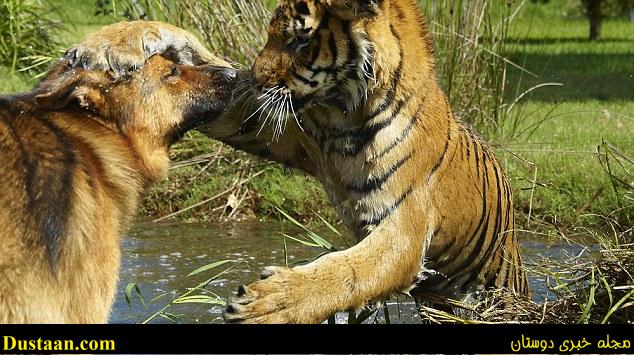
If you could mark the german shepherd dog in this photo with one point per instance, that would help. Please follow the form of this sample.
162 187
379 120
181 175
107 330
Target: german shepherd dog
76 154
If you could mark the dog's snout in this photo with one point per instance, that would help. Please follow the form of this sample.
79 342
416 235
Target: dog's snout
229 74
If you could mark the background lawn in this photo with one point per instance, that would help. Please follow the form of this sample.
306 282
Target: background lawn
562 126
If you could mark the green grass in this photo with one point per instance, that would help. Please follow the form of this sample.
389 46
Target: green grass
27 38
76 19
570 179
561 126
13 81
79 18
559 52
261 187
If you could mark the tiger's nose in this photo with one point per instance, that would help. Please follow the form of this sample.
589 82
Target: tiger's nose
263 84
258 82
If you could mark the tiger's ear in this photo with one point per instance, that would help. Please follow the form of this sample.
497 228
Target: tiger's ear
350 9
79 87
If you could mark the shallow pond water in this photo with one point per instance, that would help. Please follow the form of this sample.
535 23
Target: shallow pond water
158 258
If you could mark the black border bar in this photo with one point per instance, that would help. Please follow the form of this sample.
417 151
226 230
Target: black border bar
292 339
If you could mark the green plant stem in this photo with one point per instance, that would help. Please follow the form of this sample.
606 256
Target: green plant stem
198 287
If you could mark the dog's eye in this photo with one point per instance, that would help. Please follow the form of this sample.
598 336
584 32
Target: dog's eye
174 71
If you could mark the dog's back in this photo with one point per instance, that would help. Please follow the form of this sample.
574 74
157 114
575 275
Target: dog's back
75 156
52 200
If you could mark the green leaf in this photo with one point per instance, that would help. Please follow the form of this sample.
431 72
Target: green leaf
321 242
159 296
617 305
128 294
585 315
285 253
303 242
291 219
169 316
330 226
200 299
210 266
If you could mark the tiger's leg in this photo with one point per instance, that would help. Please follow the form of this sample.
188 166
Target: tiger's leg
125 46
381 264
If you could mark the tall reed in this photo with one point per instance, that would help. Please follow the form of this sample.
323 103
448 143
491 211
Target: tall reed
27 38
470 42
233 28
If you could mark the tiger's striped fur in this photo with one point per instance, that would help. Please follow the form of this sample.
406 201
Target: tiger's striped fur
348 91
424 195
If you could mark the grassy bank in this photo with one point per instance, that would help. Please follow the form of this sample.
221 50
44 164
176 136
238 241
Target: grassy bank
547 141
210 181
558 128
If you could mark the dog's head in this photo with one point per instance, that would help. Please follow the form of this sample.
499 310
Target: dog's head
153 107
163 98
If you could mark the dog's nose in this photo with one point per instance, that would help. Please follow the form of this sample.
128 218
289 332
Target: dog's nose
227 73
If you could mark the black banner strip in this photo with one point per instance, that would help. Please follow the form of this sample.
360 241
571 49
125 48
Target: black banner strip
182 339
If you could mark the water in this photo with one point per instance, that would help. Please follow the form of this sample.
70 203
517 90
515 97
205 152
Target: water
157 257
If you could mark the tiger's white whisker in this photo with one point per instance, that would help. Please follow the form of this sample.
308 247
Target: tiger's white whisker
275 100
294 114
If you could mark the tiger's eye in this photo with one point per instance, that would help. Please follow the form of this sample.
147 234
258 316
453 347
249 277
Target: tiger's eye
298 43
302 8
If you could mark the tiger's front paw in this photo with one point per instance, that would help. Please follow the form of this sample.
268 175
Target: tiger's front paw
125 46
283 296
119 48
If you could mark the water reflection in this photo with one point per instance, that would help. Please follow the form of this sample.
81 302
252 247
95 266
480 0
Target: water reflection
158 257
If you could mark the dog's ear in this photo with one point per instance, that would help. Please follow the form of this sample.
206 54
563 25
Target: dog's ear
76 87
350 9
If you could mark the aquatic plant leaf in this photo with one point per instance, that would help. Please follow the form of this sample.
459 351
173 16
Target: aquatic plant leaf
200 299
210 266
128 294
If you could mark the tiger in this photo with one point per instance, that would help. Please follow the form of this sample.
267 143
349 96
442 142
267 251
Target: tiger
346 91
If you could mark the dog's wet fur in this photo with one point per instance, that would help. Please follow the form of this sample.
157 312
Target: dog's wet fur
76 154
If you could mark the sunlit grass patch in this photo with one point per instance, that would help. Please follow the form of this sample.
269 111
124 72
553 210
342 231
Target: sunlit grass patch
570 180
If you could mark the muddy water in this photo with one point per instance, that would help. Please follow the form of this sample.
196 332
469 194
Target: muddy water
157 257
